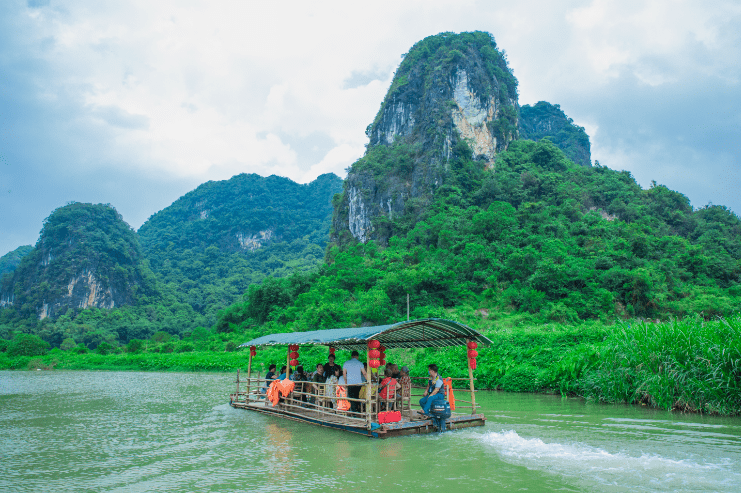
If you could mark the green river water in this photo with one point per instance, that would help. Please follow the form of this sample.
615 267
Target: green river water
127 431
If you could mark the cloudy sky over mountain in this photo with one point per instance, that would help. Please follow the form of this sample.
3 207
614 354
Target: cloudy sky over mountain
135 104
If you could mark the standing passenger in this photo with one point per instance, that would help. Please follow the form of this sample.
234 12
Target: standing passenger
354 371
329 388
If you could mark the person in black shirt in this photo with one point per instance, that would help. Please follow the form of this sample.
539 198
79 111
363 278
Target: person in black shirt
329 367
269 377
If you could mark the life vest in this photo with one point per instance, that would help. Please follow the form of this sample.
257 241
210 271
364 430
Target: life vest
389 388
448 384
431 386
342 405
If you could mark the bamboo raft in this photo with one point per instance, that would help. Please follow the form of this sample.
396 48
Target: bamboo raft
297 406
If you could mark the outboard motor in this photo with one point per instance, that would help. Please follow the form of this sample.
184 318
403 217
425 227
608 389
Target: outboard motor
439 412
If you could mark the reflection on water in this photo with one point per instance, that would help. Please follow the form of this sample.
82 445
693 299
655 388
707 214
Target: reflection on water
121 431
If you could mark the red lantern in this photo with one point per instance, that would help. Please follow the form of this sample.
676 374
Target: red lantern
293 347
374 353
331 350
374 363
253 348
382 348
472 363
293 355
472 345
383 362
293 362
253 353
374 344
472 353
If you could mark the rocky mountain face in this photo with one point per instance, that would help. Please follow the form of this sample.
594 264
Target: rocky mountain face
86 256
452 96
548 121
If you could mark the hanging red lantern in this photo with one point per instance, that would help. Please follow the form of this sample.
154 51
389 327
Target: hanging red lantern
253 353
331 350
253 348
472 363
293 347
374 353
472 353
472 345
374 344
293 362
382 348
383 362
293 355
374 363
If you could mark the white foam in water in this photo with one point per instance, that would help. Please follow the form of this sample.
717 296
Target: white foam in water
620 471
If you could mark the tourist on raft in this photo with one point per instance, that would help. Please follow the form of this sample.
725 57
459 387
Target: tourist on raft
434 390
269 377
389 386
329 367
354 372
317 389
330 384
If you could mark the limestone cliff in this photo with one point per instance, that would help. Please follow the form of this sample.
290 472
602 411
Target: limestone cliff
453 97
86 256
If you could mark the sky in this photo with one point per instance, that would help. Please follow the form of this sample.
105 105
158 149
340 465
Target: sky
136 103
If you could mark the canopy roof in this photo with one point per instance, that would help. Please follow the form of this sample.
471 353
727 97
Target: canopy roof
429 332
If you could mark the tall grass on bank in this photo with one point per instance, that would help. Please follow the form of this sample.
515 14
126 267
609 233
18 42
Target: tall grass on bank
688 365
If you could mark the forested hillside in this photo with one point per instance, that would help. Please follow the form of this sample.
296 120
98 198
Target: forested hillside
537 236
212 243
11 260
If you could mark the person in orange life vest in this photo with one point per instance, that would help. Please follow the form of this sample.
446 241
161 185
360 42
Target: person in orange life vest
434 392
389 386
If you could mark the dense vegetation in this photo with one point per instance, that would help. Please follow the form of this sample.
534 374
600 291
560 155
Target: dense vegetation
214 242
548 121
538 235
11 260
79 240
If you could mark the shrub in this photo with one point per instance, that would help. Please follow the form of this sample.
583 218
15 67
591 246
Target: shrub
168 347
134 346
105 348
80 349
27 345
4 345
230 346
68 344
185 348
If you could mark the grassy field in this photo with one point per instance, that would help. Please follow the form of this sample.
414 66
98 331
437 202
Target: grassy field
689 365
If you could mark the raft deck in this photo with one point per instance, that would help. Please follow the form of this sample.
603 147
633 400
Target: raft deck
407 426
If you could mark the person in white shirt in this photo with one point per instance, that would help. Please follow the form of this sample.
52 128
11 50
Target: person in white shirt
353 371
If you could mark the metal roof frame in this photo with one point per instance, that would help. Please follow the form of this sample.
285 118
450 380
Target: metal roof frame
429 332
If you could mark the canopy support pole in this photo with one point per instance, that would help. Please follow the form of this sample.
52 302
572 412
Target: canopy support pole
369 386
470 380
249 376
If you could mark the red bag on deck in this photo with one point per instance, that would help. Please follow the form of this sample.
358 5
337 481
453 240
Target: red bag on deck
389 416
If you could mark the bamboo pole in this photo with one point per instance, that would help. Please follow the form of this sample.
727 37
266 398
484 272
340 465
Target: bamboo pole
470 381
288 362
369 382
249 375
237 384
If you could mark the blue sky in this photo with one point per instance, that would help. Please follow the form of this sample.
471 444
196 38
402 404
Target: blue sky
136 103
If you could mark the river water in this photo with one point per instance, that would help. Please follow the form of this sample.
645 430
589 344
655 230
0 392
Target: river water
126 431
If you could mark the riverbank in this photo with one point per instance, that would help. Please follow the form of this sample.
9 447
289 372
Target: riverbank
689 365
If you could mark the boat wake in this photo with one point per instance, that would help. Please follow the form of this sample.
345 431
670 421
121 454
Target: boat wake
592 466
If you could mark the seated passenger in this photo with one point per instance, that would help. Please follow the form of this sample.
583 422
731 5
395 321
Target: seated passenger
282 372
317 389
388 388
298 376
269 377
434 392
